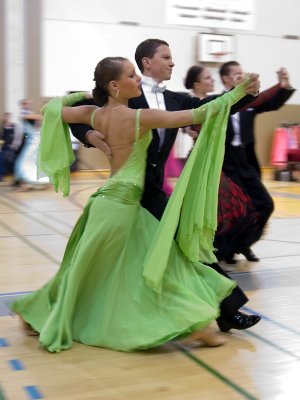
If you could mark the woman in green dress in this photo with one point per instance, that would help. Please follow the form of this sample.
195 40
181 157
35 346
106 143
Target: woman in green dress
127 281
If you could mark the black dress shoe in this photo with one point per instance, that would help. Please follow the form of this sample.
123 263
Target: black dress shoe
248 253
239 321
230 260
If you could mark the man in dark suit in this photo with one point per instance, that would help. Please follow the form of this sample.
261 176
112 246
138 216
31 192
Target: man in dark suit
240 162
154 59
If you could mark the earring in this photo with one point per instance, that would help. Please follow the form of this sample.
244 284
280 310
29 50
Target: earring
117 94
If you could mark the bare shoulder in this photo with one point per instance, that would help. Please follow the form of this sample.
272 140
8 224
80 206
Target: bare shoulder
111 117
126 114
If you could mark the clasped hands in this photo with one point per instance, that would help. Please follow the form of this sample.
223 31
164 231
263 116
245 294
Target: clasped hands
253 85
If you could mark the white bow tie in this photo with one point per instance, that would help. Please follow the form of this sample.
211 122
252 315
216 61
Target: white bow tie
158 88
155 87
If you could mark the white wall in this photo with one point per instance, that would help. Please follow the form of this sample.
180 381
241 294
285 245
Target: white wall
77 34
14 55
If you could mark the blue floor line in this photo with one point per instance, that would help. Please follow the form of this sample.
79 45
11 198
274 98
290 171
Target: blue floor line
16 365
33 392
279 324
14 293
4 342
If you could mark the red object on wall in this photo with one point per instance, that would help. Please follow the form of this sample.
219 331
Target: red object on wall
286 146
293 153
279 147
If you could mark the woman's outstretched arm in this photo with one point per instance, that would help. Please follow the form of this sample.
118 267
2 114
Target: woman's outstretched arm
172 119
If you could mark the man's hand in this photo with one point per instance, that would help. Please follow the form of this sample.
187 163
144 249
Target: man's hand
253 85
96 138
284 78
193 134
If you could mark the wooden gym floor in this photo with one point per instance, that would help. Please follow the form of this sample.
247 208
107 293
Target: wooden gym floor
260 363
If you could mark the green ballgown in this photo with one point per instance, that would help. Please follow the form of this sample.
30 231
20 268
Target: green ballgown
124 282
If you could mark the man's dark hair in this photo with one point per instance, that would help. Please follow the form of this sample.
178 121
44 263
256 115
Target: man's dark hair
225 68
147 49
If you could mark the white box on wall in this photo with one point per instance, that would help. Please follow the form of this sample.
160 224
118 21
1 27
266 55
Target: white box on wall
215 48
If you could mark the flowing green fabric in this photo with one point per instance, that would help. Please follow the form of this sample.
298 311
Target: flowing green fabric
191 212
99 296
102 295
55 154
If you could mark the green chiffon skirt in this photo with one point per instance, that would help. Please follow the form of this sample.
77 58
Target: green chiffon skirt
99 296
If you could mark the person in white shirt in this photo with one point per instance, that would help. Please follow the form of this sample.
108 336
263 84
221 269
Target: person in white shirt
240 163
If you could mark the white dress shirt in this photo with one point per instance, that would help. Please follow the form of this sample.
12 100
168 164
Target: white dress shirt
235 119
155 100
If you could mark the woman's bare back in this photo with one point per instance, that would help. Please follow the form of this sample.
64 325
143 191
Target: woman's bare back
118 127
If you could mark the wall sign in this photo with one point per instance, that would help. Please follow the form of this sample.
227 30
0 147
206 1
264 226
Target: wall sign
229 14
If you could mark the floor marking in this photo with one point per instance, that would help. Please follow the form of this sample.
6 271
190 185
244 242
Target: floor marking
33 392
16 365
217 374
4 342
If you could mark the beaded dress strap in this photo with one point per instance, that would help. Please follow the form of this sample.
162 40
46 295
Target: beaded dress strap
93 116
137 124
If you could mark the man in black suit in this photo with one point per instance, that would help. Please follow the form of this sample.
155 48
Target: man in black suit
240 162
154 59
